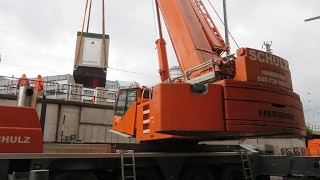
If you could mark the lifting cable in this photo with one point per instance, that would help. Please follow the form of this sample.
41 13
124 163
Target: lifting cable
132 72
81 36
104 36
89 16
88 25
223 23
154 18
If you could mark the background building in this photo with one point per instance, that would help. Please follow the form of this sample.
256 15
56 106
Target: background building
124 84
56 87
8 85
63 87
175 72
112 88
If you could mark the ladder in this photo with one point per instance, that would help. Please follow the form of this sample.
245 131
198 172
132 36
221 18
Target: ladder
126 164
246 164
220 46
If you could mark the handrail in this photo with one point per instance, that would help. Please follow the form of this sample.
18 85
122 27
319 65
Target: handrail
314 127
54 89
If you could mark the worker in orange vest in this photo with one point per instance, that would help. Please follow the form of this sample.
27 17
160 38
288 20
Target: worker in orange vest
93 100
38 84
23 81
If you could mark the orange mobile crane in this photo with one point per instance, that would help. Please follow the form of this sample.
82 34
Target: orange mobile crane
220 97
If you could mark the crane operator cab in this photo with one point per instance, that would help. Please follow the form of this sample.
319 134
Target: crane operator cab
125 110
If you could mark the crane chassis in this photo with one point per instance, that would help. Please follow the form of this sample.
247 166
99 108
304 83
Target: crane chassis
162 161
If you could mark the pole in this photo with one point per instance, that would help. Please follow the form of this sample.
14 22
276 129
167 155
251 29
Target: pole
104 36
226 29
43 112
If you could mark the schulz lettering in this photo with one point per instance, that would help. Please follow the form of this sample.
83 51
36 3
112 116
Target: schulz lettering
15 139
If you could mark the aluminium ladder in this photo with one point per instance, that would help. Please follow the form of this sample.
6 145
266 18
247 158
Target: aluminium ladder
126 173
246 164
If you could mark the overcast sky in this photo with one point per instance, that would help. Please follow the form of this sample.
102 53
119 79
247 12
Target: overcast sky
39 36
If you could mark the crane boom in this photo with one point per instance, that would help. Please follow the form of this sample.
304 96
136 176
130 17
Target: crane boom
194 35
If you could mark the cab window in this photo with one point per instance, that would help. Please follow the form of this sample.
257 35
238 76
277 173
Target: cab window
124 100
132 96
121 103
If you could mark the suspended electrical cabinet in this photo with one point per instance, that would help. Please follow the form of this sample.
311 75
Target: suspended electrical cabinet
91 51
91 59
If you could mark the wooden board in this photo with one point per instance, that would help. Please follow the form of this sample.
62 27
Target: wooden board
77 148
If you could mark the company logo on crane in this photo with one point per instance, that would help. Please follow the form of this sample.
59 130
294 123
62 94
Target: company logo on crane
268 58
15 139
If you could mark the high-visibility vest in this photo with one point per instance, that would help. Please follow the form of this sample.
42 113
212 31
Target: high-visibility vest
38 84
23 81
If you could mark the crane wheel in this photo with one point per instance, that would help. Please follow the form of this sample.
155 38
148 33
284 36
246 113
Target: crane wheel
143 174
196 173
74 176
263 177
147 174
233 172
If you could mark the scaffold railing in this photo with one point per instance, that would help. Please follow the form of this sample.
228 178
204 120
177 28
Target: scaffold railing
54 90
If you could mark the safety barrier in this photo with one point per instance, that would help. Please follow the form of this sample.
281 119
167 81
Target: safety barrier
294 151
68 92
314 127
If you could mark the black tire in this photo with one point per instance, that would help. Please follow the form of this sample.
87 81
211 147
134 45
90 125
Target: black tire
148 174
312 178
74 176
196 173
263 177
143 174
233 172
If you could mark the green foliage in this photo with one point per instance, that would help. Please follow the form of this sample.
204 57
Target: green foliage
309 132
